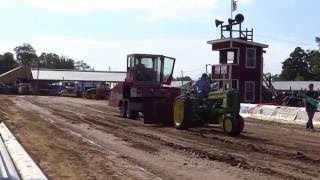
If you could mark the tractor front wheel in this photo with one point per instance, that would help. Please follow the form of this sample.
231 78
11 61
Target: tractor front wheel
233 126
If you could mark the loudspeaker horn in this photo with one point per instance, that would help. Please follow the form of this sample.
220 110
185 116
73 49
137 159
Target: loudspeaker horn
239 18
218 23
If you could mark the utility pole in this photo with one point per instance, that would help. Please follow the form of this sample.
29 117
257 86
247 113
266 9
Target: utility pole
38 75
232 9
182 77
207 68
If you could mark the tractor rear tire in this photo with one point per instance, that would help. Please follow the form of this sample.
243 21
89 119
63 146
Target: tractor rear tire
182 113
132 114
232 125
123 109
241 120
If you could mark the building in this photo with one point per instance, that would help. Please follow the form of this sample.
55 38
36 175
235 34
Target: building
295 85
87 79
45 79
17 75
240 61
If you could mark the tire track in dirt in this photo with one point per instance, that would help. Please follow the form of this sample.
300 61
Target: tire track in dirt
228 157
124 170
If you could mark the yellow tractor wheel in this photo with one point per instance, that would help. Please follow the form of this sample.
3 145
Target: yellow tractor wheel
232 126
181 114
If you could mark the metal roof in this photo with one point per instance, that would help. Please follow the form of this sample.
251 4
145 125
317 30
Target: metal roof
239 41
70 75
179 83
149 55
295 85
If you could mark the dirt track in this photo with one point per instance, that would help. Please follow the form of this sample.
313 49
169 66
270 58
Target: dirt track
82 139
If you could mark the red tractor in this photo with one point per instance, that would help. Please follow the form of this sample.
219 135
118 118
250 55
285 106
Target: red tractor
144 89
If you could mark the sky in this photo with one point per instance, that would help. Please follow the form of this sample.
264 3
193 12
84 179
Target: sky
103 32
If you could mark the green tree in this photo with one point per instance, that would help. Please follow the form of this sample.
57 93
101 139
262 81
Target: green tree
7 60
314 62
26 55
54 61
318 41
67 63
185 78
82 66
48 60
296 66
274 77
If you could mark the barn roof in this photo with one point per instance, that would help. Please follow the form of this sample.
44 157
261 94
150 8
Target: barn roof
21 72
70 75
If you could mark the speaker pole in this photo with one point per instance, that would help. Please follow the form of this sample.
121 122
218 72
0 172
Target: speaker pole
240 30
231 9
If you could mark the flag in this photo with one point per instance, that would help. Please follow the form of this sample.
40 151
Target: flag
234 5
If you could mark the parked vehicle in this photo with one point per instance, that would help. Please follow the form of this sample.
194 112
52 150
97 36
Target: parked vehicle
71 88
4 89
24 88
102 91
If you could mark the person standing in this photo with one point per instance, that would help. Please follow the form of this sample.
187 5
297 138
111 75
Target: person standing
311 108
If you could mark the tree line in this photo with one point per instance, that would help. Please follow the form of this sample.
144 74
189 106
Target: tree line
26 55
302 65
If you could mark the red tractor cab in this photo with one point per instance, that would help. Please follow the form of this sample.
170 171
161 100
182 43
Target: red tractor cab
143 90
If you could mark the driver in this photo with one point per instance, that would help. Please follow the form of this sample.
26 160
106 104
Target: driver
203 86
141 71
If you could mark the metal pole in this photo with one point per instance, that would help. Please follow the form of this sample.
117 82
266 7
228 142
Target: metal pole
231 9
207 67
38 76
182 78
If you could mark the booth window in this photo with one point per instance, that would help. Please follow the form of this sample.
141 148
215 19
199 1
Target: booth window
251 60
249 91
235 84
231 58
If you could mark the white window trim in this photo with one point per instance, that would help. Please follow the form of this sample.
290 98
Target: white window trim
234 55
224 80
231 83
245 91
255 62
261 84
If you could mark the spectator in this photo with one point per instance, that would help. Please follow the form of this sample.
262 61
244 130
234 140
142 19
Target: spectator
311 108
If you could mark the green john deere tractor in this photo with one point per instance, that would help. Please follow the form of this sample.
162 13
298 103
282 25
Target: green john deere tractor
220 107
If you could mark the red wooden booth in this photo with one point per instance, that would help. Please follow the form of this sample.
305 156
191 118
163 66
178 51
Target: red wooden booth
240 61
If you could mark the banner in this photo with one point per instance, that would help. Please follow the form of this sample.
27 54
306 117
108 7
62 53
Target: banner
309 99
